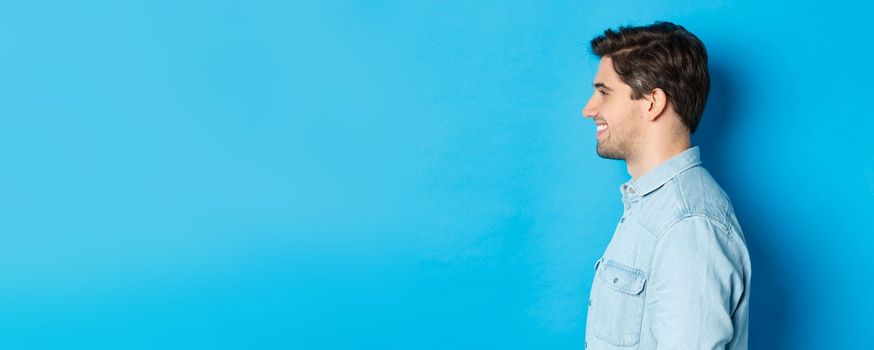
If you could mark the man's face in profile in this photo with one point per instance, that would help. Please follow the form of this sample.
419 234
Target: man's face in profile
616 115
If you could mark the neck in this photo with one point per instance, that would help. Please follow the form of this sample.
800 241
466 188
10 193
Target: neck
654 154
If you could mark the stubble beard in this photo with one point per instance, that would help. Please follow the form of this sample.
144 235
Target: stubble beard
619 144
608 150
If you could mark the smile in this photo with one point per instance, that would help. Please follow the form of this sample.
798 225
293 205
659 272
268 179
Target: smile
601 127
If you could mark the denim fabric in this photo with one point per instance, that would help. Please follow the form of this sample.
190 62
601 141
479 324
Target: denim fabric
676 274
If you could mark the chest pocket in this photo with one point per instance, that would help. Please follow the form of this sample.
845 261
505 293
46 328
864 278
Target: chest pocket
617 306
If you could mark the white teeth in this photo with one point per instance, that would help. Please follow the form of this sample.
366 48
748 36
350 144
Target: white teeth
602 127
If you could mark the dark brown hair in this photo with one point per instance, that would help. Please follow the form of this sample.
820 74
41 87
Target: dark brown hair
661 55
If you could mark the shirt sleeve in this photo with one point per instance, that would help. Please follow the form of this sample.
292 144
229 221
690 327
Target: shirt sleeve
694 278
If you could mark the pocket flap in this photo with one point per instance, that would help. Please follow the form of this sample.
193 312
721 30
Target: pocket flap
622 278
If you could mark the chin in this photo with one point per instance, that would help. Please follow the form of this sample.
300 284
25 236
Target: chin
606 153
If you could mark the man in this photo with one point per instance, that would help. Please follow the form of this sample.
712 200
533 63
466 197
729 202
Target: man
676 274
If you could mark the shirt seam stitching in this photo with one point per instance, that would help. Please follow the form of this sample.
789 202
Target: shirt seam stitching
725 228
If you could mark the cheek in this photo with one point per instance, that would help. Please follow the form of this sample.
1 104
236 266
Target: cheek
620 119
614 113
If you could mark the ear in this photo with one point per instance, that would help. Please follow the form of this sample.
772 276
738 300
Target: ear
656 104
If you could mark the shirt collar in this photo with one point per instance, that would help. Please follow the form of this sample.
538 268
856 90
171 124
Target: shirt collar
661 174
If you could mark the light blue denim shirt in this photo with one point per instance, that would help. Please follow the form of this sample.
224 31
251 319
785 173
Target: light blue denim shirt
676 274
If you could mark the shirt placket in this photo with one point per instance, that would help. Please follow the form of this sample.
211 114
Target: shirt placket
629 198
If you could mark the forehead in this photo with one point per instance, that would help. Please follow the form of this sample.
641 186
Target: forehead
605 73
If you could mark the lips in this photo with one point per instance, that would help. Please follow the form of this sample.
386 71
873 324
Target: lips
601 127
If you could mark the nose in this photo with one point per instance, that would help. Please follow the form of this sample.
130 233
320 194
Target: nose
590 110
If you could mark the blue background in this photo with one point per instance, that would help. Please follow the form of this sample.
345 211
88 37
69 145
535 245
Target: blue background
382 174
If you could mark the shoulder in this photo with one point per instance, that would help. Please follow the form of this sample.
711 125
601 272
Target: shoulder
693 193
697 239
701 194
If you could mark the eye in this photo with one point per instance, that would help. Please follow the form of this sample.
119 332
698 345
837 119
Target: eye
602 92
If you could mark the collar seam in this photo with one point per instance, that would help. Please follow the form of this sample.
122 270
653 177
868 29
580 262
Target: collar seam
667 179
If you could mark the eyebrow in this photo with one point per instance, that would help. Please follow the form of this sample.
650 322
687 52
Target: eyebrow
602 86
